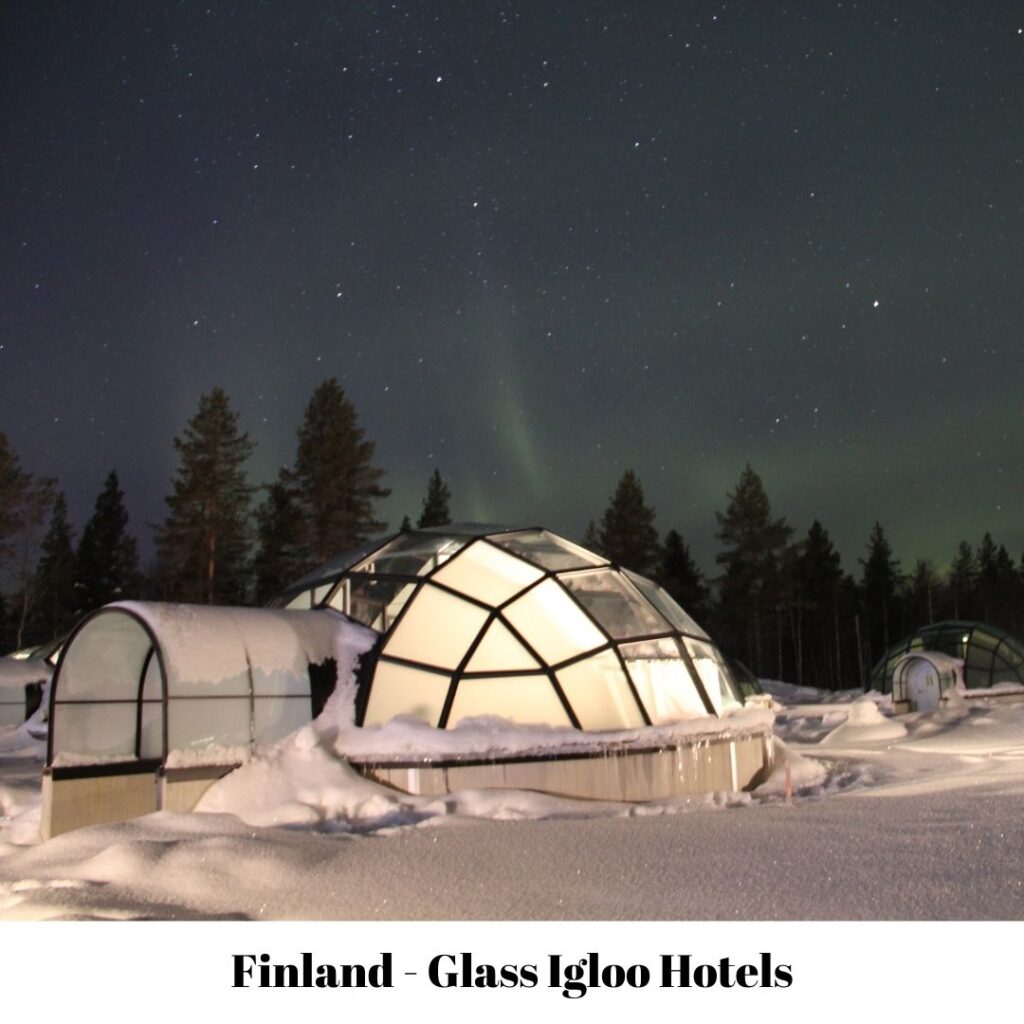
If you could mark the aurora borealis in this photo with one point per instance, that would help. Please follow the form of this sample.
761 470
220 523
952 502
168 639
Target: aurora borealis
537 244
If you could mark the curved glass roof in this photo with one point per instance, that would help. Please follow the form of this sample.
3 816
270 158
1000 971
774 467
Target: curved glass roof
519 624
990 655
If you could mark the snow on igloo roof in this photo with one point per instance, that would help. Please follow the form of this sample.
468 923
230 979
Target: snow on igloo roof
520 624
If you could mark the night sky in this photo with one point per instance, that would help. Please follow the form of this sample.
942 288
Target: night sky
537 244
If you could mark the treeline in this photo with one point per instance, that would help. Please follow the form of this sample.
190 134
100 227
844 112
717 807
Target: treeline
783 604
223 541
786 606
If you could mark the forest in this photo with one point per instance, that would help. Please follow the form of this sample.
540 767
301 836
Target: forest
782 603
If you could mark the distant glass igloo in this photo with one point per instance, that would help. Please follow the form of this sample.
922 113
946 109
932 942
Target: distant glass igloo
519 624
990 655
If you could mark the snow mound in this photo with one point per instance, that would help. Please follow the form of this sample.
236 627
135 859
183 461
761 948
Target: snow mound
303 783
865 724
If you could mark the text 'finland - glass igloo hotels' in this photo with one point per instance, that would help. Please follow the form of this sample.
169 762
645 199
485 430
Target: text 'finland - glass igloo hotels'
479 622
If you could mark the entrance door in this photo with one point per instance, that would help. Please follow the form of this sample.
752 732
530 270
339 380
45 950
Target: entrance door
922 685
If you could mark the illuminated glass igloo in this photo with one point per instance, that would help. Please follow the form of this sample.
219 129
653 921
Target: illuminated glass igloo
519 624
990 655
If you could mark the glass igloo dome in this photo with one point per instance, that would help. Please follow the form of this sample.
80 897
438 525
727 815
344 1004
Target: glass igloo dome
519 624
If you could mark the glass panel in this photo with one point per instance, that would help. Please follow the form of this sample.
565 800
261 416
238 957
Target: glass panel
200 722
489 575
152 730
1003 673
412 554
105 659
183 684
1012 651
552 623
599 694
526 700
663 681
713 673
375 601
332 569
437 629
500 651
293 681
679 619
607 595
981 639
276 717
152 688
976 678
399 690
979 657
94 731
548 551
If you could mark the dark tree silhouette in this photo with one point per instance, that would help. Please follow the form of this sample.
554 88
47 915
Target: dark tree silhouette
108 557
335 481
750 588
203 546
628 537
435 504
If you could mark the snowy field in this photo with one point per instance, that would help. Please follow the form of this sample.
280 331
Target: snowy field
917 817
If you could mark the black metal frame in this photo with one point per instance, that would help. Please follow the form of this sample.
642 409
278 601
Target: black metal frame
153 650
497 613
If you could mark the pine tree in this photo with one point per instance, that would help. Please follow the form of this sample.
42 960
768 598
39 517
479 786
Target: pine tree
15 487
24 502
335 481
108 557
879 581
817 579
204 543
997 585
435 504
922 593
679 574
628 537
53 610
963 581
406 525
750 587
278 561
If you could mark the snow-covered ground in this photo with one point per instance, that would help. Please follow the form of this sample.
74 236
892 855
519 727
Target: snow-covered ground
916 817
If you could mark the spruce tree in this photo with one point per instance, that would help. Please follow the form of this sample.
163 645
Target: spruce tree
336 484
628 537
679 574
817 578
406 525
24 502
750 587
922 594
53 610
108 557
963 581
204 543
879 581
15 486
435 504
278 562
